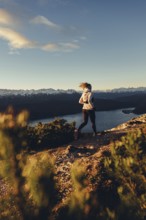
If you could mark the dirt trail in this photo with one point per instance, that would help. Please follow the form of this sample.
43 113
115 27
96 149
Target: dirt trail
88 142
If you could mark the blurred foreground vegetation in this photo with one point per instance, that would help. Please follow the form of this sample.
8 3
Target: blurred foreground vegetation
119 190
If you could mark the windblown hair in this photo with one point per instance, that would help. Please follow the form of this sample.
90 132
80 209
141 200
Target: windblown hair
84 85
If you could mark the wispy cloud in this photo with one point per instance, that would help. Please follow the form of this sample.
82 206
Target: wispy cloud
15 39
60 47
68 30
18 41
51 47
6 18
44 21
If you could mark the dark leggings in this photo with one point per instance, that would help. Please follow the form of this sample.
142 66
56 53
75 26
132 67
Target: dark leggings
86 115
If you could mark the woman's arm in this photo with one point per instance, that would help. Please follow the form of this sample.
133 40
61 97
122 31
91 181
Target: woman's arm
81 100
90 100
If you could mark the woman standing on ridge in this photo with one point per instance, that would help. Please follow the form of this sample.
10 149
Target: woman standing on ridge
87 100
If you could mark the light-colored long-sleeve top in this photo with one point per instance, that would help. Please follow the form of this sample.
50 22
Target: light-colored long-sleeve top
86 99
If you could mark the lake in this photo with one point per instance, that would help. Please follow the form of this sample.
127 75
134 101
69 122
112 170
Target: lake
104 119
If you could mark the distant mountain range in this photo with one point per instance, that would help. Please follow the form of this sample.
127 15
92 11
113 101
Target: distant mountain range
7 92
122 89
45 103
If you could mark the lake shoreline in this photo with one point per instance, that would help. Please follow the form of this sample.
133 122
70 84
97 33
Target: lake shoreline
104 119
124 110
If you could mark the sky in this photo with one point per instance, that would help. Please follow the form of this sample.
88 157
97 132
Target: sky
60 43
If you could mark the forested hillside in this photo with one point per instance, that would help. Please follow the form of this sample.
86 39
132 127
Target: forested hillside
51 105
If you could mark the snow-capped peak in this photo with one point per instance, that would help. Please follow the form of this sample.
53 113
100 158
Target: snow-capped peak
7 92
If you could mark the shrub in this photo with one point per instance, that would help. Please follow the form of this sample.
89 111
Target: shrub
29 181
53 134
126 169
12 160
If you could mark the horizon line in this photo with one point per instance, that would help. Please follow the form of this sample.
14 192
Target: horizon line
138 87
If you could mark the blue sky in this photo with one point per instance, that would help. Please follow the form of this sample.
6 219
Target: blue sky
60 43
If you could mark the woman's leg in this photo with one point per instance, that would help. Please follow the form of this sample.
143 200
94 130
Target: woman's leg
92 118
85 118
